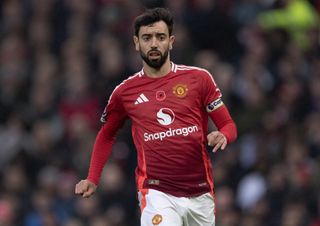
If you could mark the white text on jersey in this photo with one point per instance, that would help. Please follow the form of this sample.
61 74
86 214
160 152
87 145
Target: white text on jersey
185 131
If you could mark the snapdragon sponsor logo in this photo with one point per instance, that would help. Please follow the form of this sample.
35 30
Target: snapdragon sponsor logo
165 116
185 131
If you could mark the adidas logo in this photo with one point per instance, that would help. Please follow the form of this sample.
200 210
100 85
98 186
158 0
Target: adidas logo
141 99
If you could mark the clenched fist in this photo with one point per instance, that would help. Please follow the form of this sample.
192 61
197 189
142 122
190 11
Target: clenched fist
85 188
217 140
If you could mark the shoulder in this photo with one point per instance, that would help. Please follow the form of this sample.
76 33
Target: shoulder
130 81
201 73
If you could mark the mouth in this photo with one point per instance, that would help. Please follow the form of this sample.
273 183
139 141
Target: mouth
153 55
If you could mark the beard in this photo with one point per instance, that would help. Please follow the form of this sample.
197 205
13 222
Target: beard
155 63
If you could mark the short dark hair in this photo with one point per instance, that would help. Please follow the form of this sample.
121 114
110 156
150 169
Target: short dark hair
151 16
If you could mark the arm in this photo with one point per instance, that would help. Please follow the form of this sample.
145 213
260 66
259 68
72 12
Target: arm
219 114
101 152
227 130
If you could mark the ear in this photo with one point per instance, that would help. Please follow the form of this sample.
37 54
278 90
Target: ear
171 41
136 42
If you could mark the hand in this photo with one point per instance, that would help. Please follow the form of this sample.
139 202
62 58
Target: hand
85 188
217 140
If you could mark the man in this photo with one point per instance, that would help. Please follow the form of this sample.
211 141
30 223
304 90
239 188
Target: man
169 106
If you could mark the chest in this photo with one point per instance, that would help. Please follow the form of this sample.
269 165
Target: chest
176 97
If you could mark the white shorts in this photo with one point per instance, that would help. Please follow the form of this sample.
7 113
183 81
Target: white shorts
158 208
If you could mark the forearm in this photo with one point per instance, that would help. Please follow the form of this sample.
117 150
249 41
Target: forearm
225 124
229 130
101 152
103 145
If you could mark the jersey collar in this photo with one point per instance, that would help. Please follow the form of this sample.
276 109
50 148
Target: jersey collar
173 69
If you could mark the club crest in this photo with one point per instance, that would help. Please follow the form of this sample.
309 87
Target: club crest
157 219
180 90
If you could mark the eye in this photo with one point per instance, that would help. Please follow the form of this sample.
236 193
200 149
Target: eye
162 37
145 38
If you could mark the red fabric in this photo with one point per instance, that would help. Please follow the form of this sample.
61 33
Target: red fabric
103 146
169 133
223 121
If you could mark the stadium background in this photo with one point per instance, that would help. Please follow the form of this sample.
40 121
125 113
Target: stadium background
60 60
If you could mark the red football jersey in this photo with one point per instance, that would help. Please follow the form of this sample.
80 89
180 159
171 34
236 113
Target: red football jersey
169 127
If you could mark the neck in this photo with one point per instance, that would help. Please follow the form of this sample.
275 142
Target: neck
157 73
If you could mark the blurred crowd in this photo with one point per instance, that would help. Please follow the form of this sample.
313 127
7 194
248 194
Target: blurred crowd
61 59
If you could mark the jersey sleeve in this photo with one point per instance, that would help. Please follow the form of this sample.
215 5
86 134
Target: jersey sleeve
114 105
113 119
216 109
210 90
225 124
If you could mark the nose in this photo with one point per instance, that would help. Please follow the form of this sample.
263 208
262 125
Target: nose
154 42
